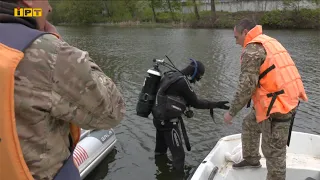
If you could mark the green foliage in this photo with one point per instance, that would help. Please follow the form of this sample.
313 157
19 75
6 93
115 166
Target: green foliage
316 1
72 11
84 12
274 18
165 11
304 18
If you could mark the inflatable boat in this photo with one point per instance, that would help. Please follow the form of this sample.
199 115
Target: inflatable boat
303 160
93 147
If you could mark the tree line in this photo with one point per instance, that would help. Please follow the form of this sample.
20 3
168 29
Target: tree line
103 11
76 11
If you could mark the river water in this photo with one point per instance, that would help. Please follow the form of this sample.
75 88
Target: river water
125 54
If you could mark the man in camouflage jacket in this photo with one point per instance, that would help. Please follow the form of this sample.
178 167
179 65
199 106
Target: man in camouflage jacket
275 134
56 84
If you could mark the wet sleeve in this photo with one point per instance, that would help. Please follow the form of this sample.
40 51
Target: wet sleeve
82 93
190 96
252 58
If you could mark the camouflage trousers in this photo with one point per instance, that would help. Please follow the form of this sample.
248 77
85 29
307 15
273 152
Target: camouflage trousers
273 144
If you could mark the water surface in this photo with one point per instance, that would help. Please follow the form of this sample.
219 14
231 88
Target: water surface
125 54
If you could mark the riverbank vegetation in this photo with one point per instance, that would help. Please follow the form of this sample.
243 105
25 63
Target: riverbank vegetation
170 13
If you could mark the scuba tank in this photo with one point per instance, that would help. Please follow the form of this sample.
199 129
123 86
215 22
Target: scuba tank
148 93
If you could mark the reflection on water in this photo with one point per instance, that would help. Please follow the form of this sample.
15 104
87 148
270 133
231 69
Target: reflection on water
101 171
165 170
125 54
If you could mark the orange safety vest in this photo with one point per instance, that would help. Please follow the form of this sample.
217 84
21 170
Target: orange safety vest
12 45
280 85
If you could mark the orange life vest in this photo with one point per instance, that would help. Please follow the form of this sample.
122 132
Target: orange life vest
13 165
280 86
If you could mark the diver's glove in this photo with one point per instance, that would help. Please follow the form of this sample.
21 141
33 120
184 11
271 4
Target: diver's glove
219 104
189 113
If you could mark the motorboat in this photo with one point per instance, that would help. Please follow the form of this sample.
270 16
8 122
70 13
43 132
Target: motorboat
303 160
93 147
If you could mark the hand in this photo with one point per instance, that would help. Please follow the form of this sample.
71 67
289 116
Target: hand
227 118
222 105
189 113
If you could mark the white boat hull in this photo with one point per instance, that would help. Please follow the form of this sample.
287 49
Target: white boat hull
92 149
303 160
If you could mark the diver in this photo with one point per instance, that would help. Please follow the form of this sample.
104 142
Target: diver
174 96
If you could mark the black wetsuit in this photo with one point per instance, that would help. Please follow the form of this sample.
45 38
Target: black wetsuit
168 134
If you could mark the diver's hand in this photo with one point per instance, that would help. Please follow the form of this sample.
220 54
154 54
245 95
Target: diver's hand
189 114
220 105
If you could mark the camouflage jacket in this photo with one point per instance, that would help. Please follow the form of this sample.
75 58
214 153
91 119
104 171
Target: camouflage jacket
56 84
252 58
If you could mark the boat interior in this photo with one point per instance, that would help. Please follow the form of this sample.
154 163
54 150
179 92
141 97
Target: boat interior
303 160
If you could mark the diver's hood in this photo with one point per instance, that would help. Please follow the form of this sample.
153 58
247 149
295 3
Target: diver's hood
194 69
